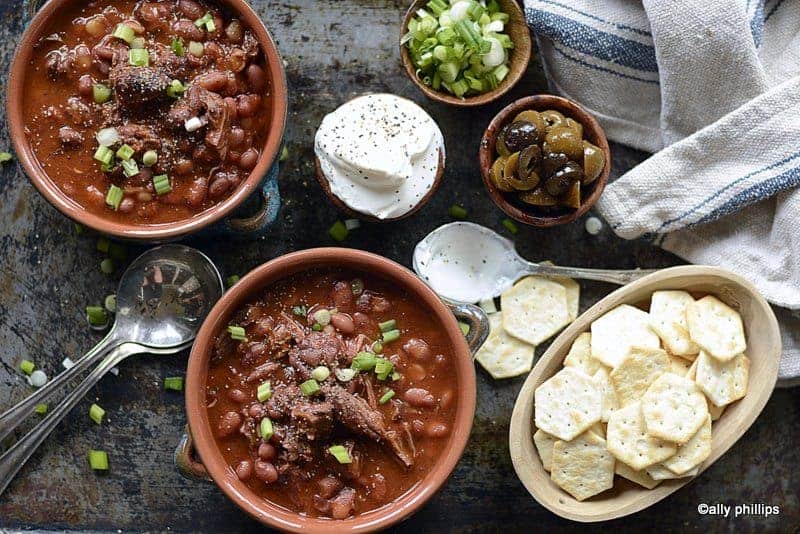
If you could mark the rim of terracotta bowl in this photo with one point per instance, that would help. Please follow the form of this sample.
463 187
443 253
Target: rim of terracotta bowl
593 133
244 291
155 232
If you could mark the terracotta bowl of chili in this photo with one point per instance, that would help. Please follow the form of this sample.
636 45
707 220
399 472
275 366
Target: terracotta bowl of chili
329 390
544 216
147 120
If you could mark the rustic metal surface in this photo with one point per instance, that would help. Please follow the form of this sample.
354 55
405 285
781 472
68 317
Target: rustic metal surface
333 50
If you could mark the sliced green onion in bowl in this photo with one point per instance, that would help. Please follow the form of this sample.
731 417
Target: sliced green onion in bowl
237 333
300 311
321 373
196 49
114 196
310 387
391 335
124 32
364 361
175 89
125 152
107 137
386 397
150 158
264 392
161 184
98 460
104 155
265 429
27 367
101 93
383 368
129 167
173 383
345 375
340 453
177 46
139 57
385 326
323 316
96 413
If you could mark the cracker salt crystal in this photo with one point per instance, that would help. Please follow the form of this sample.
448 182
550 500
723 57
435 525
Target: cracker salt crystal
723 382
634 374
674 408
582 467
668 320
616 332
716 327
567 404
629 442
534 309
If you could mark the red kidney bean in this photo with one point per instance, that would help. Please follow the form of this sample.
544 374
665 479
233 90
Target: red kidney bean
183 167
228 424
103 52
248 104
234 31
248 123
419 398
416 372
191 9
266 472
83 57
417 349
343 323
237 395
244 470
186 29
378 486
447 398
328 486
267 451
213 50
197 192
256 78
215 80
127 205
248 159
417 427
343 298
256 410
342 504
236 136
85 85
437 430
219 186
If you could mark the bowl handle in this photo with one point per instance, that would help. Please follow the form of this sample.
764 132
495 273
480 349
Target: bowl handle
476 319
257 224
186 458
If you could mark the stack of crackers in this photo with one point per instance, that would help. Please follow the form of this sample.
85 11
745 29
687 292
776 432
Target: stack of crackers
637 396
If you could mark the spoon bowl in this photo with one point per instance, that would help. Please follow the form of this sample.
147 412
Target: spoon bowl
764 351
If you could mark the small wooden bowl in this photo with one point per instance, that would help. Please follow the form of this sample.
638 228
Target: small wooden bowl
764 351
592 132
520 56
326 186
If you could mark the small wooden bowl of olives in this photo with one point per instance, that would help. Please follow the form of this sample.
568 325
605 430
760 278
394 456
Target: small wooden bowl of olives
544 160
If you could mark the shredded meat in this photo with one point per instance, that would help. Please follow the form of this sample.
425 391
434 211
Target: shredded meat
210 108
138 90
139 136
318 348
315 419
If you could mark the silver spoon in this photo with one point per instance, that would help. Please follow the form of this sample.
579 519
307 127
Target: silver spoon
467 262
162 300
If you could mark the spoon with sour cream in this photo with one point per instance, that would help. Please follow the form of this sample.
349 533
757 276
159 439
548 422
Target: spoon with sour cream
467 262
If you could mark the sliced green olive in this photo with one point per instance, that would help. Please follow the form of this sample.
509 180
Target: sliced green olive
538 197
575 125
500 143
529 160
593 162
564 140
535 118
572 198
553 118
498 175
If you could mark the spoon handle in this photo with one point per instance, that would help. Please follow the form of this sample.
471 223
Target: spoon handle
16 456
620 277
14 416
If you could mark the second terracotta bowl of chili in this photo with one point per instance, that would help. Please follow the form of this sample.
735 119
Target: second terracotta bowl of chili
329 390
147 120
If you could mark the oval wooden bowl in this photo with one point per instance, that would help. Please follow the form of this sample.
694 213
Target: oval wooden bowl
519 57
764 351
339 203
592 132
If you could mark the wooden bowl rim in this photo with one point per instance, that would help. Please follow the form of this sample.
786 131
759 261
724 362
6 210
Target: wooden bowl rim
731 287
520 58
593 132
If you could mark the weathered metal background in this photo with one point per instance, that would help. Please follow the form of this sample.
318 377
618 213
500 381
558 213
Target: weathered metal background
333 51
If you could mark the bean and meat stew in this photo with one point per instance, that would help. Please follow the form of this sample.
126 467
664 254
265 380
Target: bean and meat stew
147 112
332 394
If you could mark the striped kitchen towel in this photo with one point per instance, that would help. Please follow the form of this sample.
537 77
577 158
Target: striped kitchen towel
713 88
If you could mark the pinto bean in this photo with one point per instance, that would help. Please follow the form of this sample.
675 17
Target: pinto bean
248 104
215 80
417 349
343 323
244 470
419 398
328 486
126 206
342 504
219 186
237 395
266 472
183 167
378 487
248 159
186 29
256 78
104 52
85 85
267 451
228 424
237 60
234 31
70 137
191 9
416 372
256 410
437 430
447 398
236 137
197 192
135 25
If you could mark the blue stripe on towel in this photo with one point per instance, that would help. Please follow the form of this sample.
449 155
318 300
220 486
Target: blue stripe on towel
726 188
602 69
594 42
757 22
595 17
773 10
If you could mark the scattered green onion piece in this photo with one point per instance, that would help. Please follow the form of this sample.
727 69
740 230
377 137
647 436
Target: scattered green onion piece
265 429
395 376
177 46
232 279
323 316
341 454
310 387
321 373
101 93
385 326
27 366
377 347
175 89
264 392
5 156
383 368
502 17
196 49
391 335
118 251
357 286
458 212
202 21
96 413
173 383
103 244
96 315
138 43
437 6
510 226
464 327
40 409
338 231
161 184
124 32
78 228
237 333
345 375
300 311
386 397
150 158
129 167
284 154
110 303
114 196
104 155
107 266
316 327
364 361
139 57
98 460
125 152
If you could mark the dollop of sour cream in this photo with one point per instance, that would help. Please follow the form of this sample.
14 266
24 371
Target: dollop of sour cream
380 154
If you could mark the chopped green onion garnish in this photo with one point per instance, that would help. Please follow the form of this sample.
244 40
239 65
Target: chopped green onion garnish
316 327
96 413
377 347
173 383
345 375
103 243
437 6
510 226
300 311
124 32
309 387
41 409
129 167
104 155
125 152
264 392
386 397
175 89
458 212
177 46
323 316
395 376
385 326
364 361
161 184
464 327
138 57
232 279
98 460
237 333
110 303
5 156
391 335
284 154
27 366
205 19
265 429
78 228
196 49
101 93
383 368
118 251
338 231
321 373
114 196
340 453
107 266
357 286
96 315
150 158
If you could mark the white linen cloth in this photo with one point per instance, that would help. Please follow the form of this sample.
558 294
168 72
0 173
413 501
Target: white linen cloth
713 87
